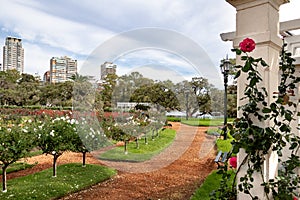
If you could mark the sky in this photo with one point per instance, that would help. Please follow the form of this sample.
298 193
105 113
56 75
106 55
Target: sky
162 34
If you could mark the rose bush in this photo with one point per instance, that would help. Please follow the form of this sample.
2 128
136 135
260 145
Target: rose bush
258 140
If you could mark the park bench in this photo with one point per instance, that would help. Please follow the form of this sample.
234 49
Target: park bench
221 158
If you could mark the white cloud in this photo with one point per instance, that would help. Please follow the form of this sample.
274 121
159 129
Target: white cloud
76 28
37 26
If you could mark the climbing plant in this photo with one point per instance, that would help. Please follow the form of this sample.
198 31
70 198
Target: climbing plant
257 139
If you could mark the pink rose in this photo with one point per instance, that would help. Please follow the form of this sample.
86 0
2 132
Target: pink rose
247 45
233 162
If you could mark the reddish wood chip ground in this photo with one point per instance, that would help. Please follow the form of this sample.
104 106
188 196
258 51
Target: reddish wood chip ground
179 180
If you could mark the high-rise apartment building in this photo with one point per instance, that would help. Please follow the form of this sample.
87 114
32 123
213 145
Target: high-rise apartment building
62 69
107 68
13 54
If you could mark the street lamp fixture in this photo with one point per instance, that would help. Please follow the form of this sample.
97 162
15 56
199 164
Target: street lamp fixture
225 65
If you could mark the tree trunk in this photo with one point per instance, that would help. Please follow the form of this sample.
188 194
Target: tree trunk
125 147
137 143
146 139
83 158
152 134
55 156
4 178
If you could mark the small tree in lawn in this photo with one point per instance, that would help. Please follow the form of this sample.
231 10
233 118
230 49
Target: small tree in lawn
16 140
89 137
55 137
114 131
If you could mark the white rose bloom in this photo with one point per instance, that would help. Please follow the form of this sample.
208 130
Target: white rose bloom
52 133
72 121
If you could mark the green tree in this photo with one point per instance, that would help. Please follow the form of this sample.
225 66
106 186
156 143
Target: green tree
156 94
88 137
16 140
8 84
107 89
59 94
202 90
28 90
127 84
55 136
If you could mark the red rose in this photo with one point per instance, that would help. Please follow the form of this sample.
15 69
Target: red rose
233 162
247 45
295 198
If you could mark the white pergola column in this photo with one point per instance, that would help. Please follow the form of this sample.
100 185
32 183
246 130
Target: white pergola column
259 20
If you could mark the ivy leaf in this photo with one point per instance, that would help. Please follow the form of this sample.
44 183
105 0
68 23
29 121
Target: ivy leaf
253 82
247 67
293 146
263 63
266 110
237 51
237 74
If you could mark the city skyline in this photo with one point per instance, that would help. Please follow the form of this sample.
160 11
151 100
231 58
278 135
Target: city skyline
75 29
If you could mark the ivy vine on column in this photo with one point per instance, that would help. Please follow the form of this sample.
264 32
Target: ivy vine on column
258 140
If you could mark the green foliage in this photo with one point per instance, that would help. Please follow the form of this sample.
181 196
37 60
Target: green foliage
211 183
157 94
258 140
224 145
73 178
16 140
54 136
174 119
204 122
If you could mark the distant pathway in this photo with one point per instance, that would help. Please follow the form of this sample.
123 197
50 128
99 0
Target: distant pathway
173 174
184 137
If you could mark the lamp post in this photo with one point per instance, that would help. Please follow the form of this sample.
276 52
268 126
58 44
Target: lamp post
225 64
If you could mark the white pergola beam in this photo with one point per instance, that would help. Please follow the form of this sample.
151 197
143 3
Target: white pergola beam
284 27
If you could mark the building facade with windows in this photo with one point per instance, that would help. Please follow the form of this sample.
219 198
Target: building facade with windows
62 69
13 54
107 68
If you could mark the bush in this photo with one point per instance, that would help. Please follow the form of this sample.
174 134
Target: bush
174 119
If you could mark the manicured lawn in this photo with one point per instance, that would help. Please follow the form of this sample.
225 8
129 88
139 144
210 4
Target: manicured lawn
70 178
211 183
145 151
224 145
205 122
17 167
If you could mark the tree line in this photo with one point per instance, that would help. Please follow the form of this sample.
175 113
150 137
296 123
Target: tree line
197 95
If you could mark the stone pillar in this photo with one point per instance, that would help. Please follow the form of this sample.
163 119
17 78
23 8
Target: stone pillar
259 20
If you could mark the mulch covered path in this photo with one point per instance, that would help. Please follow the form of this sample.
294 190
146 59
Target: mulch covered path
177 180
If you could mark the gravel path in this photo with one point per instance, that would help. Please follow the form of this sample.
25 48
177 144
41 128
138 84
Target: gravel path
174 174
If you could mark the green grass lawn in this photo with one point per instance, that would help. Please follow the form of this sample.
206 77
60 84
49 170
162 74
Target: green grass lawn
205 122
211 183
17 167
42 186
145 151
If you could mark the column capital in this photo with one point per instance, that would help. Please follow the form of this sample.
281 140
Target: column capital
242 4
